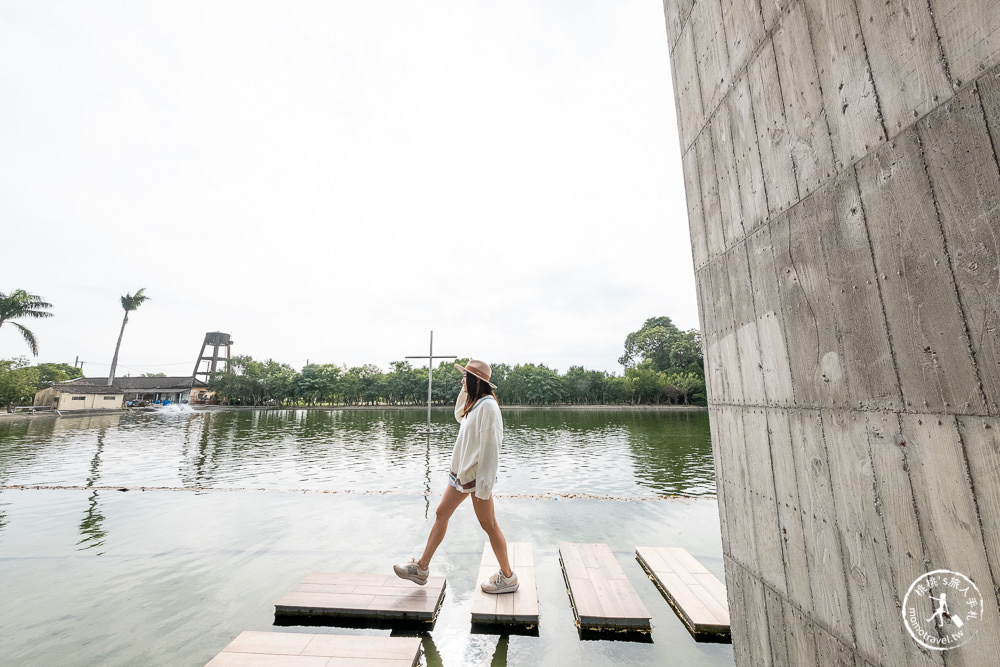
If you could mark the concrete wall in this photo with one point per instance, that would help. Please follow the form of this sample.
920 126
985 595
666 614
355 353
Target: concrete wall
843 191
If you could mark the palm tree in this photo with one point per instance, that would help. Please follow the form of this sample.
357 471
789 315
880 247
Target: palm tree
129 302
21 304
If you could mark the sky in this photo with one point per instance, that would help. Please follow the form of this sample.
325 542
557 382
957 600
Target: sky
330 181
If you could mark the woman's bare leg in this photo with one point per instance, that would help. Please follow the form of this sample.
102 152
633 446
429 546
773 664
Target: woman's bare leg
487 519
450 501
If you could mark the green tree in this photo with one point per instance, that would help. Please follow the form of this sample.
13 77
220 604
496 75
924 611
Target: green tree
669 348
645 383
686 385
129 302
18 382
19 304
51 373
153 375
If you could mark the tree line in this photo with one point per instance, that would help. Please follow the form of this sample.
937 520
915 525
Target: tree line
663 365
252 382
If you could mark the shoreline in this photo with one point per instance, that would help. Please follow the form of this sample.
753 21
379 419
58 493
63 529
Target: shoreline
611 407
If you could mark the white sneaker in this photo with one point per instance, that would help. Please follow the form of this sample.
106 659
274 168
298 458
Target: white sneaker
500 584
412 571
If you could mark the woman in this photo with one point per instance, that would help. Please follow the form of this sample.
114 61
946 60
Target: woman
474 466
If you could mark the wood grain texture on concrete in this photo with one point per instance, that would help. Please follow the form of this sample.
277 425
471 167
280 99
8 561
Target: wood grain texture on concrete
749 175
814 352
905 61
969 32
694 593
789 511
294 649
690 114
767 530
812 153
517 608
773 137
966 182
767 310
364 596
852 146
601 595
929 341
725 171
824 557
872 382
848 91
713 58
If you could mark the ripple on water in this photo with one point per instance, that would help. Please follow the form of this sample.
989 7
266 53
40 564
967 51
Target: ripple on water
564 452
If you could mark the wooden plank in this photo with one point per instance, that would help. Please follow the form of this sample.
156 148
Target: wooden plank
359 646
266 649
603 598
905 60
684 583
517 608
966 183
322 595
918 290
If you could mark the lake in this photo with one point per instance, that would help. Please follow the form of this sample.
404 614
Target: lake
155 538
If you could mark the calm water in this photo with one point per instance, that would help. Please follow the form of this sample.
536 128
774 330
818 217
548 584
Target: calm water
225 510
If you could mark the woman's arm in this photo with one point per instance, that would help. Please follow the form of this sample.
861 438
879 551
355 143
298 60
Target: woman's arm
460 404
490 439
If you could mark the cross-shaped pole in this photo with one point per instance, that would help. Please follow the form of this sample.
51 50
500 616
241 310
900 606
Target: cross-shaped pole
430 371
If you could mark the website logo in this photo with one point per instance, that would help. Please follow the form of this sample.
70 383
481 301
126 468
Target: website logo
942 610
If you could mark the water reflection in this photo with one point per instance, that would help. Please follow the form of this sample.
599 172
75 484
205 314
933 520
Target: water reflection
617 453
92 533
500 654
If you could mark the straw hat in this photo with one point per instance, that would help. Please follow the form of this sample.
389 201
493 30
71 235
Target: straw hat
480 369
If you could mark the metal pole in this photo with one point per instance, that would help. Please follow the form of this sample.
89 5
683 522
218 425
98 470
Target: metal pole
430 375
430 372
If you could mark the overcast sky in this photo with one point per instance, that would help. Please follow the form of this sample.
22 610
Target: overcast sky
329 181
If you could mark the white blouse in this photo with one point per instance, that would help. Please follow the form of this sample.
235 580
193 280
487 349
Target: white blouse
477 448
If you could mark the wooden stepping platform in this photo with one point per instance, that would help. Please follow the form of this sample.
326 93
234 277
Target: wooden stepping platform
277 649
696 595
518 609
602 597
362 598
